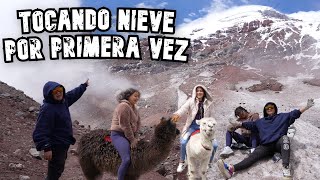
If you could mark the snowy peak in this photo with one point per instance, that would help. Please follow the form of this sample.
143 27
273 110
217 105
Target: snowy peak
241 34
236 16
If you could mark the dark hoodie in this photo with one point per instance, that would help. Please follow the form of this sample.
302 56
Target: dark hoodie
54 126
274 127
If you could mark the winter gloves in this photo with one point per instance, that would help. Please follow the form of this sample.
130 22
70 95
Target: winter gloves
234 124
175 118
310 103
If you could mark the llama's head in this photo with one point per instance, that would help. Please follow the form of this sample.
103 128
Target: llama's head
207 126
166 129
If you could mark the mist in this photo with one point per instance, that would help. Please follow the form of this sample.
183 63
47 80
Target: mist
30 77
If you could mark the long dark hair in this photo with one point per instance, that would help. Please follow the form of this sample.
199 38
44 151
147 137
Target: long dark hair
124 95
239 110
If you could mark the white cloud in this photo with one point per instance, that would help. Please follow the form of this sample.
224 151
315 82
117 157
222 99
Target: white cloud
186 20
143 5
221 5
245 1
192 14
149 6
162 5
217 6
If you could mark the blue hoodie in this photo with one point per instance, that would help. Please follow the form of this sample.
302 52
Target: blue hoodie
272 128
54 125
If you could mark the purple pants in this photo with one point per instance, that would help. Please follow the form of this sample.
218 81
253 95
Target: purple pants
121 143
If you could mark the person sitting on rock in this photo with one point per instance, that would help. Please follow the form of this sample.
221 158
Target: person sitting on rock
246 136
197 107
272 128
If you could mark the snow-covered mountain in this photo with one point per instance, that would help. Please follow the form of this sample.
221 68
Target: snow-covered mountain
256 35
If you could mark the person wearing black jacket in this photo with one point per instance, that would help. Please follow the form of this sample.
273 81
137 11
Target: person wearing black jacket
53 132
272 129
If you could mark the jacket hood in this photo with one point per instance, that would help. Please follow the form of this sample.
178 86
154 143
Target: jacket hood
47 91
206 92
265 111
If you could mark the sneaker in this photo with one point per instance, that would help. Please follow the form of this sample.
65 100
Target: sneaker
181 166
226 170
276 157
226 152
291 131
286 172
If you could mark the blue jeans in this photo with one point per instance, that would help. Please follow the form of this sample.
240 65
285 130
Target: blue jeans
184 140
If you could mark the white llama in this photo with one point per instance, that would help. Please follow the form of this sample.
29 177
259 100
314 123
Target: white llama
199 149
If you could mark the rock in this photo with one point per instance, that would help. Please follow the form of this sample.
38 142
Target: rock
32 109
19 114
14 166
17 152
21 177
73 152
5 95
34 153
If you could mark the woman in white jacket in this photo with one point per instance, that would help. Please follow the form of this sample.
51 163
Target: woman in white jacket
196 107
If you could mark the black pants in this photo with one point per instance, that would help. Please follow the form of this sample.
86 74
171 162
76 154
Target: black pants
262 151
56 165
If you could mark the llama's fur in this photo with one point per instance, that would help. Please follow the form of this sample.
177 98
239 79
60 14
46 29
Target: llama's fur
97 156
199 149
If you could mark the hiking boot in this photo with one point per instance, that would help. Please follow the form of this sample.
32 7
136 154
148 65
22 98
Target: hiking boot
227 151
226 170
181 167
286 172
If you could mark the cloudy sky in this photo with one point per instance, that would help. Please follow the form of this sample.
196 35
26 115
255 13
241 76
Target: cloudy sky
188 10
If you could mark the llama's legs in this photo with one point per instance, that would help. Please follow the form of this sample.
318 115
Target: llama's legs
89 169
203 167
192 172
131 177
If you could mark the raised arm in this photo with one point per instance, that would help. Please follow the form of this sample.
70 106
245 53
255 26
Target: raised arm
73 95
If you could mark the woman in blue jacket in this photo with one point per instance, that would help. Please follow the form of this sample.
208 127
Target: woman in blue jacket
53 132
272 129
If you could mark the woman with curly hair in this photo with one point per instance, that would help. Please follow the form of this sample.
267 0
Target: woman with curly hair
124 127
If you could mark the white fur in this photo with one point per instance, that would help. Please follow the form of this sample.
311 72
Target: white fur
197 156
